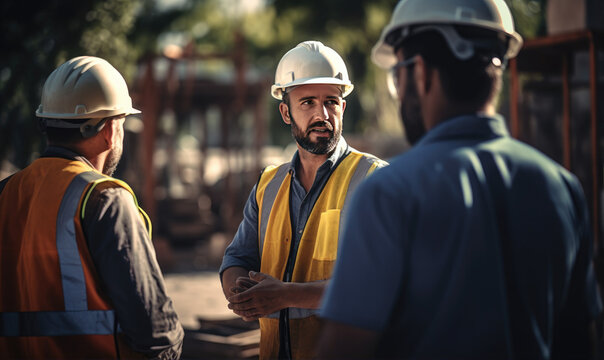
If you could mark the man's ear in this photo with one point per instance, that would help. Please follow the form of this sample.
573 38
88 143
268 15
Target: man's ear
343 105
109 133
284 110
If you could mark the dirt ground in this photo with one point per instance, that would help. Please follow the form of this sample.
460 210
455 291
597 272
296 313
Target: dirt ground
212 331
192 280
195 295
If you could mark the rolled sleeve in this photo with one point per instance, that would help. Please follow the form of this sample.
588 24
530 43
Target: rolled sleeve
243 250
130 275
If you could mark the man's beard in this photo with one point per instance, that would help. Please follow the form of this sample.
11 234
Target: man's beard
323 145
411 113
113 158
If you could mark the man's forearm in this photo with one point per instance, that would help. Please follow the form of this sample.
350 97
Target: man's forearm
305 295
269 294
229 277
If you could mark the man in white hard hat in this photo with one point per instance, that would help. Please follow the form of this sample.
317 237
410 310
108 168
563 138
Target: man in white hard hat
471 245
79 276
279 262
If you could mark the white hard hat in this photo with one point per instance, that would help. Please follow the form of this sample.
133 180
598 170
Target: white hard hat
310 62
84 87
440 15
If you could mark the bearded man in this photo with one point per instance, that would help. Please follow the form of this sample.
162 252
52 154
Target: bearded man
79 276
281 258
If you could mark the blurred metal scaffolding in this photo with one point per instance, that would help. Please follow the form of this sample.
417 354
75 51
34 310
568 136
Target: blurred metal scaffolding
554 63
181 91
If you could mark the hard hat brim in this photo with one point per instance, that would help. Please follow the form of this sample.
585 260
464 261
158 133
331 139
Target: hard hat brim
347 87
94 115
384 57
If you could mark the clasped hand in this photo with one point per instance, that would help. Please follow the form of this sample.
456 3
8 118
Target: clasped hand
257 295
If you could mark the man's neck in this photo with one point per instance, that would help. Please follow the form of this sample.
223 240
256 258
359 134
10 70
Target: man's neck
444 113
96 158
308 166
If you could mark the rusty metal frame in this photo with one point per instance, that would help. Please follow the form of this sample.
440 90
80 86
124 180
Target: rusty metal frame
564 45
153 96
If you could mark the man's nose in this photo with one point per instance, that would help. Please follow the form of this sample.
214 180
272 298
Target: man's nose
322 112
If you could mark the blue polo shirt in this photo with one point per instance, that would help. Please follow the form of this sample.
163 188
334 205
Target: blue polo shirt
470 245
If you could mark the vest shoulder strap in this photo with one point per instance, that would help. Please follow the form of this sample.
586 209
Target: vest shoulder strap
268 199
121 183
367 164
72 274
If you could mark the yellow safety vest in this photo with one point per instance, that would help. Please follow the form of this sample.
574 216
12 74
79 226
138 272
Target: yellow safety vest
52 304
317 249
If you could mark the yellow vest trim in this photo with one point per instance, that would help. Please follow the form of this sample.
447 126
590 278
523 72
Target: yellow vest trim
143 214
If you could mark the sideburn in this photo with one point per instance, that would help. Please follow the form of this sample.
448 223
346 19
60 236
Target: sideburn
410 111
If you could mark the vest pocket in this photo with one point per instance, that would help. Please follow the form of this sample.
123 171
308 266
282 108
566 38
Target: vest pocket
326 245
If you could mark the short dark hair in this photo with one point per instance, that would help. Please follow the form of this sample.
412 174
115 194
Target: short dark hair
474 82
285 98
65 136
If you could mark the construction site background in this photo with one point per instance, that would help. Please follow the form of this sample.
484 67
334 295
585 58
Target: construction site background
201 71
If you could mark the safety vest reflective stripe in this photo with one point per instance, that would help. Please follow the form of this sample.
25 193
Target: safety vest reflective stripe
269 198
57 323
360 173
72 274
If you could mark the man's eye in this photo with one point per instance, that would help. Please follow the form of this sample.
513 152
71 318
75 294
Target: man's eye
307 102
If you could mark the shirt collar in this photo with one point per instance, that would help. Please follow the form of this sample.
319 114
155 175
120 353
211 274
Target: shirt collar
467 126
65 153
340 150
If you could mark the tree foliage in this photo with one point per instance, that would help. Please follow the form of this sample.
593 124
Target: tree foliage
36 40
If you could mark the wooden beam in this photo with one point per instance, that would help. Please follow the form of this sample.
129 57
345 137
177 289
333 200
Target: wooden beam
595 138
566 108
514 88
150 109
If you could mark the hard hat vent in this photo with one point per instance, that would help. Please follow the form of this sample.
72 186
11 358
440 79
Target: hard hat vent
465 13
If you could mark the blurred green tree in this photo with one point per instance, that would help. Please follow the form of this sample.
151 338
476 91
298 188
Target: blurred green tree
272 27
37 38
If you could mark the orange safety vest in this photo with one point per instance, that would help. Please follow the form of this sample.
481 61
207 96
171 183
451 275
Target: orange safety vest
51 303
317 250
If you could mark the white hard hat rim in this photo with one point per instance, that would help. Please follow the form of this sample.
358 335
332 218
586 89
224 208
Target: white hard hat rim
383 55
100 114
277 89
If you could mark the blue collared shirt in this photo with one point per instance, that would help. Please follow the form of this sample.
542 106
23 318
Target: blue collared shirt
243 250
435 243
